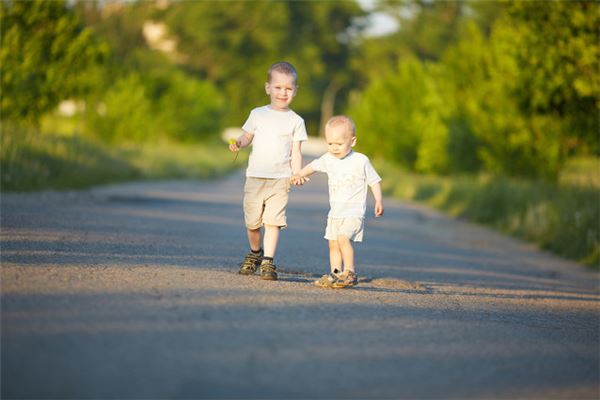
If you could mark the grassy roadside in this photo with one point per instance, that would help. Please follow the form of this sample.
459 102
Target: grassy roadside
30 161
562 218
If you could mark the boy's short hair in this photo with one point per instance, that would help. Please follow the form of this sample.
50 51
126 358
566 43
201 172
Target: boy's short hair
342 120
284 68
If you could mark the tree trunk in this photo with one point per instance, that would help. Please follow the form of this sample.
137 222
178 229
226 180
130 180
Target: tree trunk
327 105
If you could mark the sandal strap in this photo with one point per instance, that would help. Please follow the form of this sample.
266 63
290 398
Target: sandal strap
250 261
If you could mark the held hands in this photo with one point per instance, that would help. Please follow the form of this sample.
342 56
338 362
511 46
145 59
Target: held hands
296 179
378 208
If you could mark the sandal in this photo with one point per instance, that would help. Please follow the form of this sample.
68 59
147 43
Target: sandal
327 280
250 263
346 280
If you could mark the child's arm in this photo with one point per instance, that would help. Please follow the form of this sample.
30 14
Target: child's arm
296 163
243 141
302 176
376 189
296 157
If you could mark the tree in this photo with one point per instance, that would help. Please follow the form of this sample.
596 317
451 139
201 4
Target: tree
45 51
401 117
230 44
233 44
558 56
322 45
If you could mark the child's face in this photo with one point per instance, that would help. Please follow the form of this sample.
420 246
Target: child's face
281 89
339 140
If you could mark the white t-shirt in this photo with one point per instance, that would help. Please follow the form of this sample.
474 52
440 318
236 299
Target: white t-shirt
348 179
273 133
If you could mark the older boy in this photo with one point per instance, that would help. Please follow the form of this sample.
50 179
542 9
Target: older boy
276 133
348 173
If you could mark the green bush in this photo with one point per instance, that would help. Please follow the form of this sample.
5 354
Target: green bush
400 116
190 109
124 113
560 218
156 105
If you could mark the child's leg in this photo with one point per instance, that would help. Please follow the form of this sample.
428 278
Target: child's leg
270 240
335 256
254 238
347 253
267 267
273 212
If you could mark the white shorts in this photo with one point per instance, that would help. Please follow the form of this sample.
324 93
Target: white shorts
352 228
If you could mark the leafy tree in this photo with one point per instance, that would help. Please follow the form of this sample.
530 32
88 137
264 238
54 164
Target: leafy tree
120 24
230 44
401 117
125 112
45 51
529 92
147 96
321 45
156 102
558 55
233 43
516 91
485 73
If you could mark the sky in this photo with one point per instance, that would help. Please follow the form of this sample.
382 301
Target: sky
380 23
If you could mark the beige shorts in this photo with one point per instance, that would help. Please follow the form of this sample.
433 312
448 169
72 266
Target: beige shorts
352 228
265 201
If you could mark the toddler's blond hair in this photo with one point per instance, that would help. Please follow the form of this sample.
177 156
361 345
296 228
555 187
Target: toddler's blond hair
342 120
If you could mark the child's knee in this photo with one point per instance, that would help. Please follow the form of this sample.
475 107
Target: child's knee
343 240
334 245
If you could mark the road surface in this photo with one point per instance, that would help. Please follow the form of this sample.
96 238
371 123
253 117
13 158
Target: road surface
132 291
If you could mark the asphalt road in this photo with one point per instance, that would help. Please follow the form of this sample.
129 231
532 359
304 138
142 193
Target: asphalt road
132 291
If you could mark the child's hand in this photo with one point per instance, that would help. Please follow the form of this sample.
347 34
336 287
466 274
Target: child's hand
234 145
296 179
378 209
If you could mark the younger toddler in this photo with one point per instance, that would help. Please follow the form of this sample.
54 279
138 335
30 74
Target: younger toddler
349 173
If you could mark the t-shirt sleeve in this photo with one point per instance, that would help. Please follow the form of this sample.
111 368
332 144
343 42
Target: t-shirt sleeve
300 131
319 164
250 124
371 174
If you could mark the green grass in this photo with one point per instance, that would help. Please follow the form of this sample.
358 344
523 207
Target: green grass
33 161
583 171
563 218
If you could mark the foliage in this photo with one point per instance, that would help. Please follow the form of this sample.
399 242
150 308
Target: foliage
509 88
191 109
120 24
562 219
30 161
321 46
427 27
33 161
414 134
558 55
310 35
125 112
147 95
514 96
509 142
156 105
45 51
236 59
